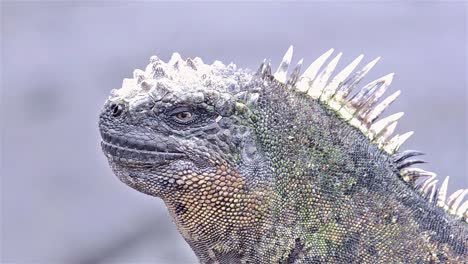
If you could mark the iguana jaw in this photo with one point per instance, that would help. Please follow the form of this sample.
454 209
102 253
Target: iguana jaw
140 168
134 156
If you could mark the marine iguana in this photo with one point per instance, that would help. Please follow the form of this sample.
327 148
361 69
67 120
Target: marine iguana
257 167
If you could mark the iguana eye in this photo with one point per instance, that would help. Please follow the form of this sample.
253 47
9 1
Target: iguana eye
184 116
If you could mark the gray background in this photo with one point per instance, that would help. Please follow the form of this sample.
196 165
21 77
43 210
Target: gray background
61 202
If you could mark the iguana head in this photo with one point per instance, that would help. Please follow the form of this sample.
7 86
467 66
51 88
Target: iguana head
177 124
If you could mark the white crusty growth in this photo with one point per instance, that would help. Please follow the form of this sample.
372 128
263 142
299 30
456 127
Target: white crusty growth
181 77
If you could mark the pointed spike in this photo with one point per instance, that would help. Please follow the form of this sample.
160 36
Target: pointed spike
370 65
406 154
315 66
340 78
431 190
421 172
295 74
282 70
371 88
395 143
407 163
385 133
268 69
442 197
369 98
389 130
381 124
261 69
349 84
427 181
428 186
356 102
413 174
456 202
309 75
403 138
321 81
380 108
463 209
175 58
435 193
453 196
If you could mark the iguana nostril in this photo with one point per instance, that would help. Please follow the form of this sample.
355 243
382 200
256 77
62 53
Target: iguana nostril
116 109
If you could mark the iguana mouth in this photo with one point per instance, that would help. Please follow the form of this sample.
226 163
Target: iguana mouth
136 152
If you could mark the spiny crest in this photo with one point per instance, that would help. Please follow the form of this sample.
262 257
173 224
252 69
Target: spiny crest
362 111
428 187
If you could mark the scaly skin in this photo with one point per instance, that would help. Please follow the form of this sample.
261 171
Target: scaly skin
255 172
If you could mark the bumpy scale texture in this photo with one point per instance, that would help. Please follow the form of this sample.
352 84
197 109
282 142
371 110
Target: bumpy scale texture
257 167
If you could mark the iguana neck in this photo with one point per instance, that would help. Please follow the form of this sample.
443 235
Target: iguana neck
320 188
339 190
222 212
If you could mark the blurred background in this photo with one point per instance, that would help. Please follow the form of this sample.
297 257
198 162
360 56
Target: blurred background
59 60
